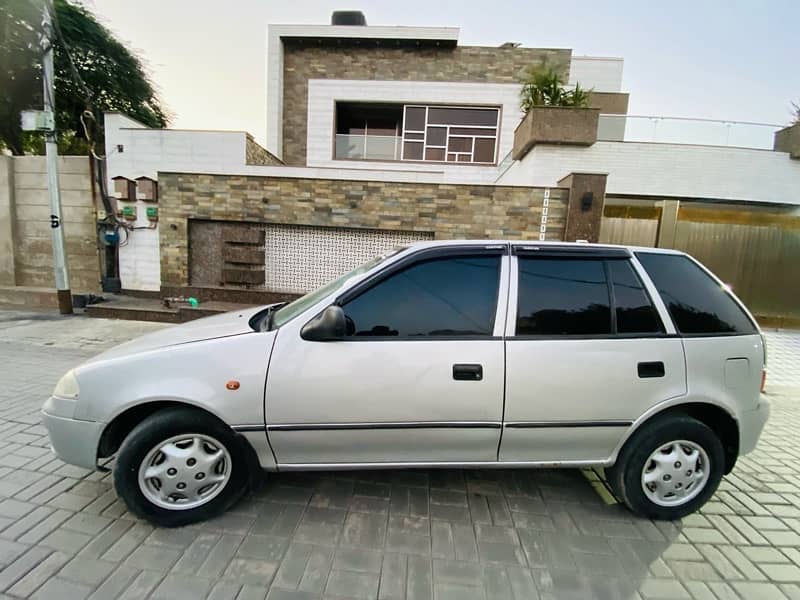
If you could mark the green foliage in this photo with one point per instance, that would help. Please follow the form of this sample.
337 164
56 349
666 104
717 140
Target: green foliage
543 86
114 76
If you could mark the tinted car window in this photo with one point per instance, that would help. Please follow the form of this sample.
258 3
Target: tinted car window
634 310
696 303
562 297
443 297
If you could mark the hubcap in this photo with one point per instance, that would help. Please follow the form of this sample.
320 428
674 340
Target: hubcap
675 473
185 471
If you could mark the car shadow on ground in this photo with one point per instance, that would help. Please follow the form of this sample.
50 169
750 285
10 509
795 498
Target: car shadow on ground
543 528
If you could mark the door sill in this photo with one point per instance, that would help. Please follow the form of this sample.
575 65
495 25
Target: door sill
502 464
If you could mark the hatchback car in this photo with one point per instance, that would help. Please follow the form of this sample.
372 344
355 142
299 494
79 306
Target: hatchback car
441 354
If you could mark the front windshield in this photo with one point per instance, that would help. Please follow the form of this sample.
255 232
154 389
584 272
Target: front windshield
291 310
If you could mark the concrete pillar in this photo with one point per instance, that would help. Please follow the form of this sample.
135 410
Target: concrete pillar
668 224
788 140
587 194
7 218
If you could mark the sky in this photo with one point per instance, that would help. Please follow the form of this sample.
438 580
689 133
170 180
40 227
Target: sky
735 60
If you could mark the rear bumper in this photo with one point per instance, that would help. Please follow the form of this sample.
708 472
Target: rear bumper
74 441
751 423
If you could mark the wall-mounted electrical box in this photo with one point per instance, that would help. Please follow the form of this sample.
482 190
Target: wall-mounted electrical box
152 213
129 213
124 188
37 120
146 189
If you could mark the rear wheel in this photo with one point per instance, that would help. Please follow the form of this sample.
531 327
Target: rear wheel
180 466
669 468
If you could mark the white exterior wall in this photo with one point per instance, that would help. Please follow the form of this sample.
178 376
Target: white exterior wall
602 74
672 170
324 93
146 151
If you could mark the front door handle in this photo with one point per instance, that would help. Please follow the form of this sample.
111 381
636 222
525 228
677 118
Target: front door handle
650 369
467 372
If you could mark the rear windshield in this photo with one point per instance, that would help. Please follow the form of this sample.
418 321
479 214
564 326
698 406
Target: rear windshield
697 304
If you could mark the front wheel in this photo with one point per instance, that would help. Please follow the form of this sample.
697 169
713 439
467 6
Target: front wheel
669 468
180 466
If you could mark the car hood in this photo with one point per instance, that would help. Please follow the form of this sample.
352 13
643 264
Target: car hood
222 325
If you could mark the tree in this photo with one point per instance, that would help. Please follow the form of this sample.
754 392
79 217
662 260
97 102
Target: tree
112 77
543 86
795 113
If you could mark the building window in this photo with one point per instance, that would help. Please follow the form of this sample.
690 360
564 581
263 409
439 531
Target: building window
450 134
381 131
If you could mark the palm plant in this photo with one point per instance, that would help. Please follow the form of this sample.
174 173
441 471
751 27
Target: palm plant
543 86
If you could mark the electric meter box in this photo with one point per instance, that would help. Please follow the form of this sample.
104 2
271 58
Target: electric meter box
37 120
124 188
146 189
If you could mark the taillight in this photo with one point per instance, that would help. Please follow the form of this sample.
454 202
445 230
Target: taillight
763 379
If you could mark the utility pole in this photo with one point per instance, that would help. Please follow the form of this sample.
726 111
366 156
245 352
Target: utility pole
51 147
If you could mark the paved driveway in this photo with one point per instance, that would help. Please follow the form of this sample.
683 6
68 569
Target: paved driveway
457 534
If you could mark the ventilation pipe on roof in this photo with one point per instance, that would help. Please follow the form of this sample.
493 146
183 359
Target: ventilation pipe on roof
348 17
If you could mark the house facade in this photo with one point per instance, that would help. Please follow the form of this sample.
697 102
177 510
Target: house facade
380 136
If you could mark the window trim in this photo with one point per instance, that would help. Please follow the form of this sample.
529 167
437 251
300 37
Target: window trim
426 255
591 253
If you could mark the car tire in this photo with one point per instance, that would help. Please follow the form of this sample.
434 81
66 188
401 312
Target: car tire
180 466
669 468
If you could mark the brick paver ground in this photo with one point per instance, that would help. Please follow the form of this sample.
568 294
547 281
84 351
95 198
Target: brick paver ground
446 534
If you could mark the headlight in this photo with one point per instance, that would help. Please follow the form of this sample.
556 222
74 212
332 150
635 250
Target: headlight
67 387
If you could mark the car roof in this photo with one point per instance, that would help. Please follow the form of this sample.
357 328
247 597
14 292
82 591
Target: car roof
537 243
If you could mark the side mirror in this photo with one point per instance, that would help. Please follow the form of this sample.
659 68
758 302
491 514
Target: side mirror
327 326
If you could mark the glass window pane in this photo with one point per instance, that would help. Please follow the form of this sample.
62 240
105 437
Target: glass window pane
436 136
484 151
562 297
470 131
434 154
462 116
696 303
459 144
415 118
412 150
635 311
464 158
415 136
443 297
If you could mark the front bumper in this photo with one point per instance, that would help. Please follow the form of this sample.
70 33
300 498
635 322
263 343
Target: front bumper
74 441
751 423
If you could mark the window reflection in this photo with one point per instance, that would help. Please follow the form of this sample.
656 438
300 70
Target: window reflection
443 297
562 297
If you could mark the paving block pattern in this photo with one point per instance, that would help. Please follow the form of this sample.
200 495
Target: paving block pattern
419 534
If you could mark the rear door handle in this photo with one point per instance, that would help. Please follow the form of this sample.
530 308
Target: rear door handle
467 372
650 369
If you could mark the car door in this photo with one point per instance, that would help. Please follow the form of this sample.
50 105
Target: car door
417 379
588 352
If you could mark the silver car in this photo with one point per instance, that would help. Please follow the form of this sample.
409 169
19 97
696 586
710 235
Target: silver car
442 354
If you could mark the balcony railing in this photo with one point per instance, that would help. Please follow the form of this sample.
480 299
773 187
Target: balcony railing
368 147
674 130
